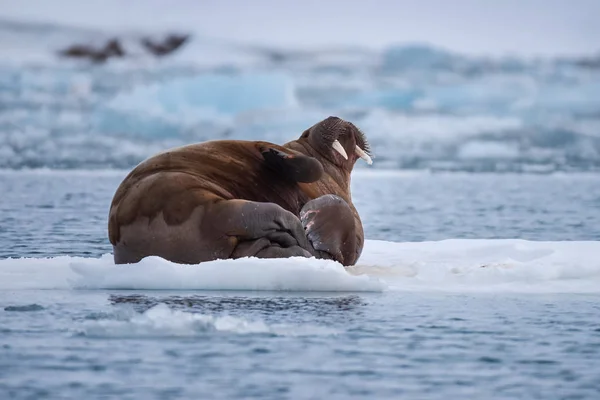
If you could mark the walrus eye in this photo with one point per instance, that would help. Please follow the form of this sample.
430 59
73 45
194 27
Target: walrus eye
337 146
363 155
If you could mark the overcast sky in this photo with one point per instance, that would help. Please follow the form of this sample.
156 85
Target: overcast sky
473 26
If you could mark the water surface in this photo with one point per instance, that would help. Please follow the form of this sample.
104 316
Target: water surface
440 326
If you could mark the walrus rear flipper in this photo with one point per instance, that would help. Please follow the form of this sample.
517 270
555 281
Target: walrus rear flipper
255 229
295 167
265 248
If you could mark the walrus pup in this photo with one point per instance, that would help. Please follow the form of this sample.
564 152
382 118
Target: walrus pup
232 198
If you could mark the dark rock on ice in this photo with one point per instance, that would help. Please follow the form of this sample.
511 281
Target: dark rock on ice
166 46
114 48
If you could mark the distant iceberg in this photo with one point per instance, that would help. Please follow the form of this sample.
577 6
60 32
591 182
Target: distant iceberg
421 106
167 105
416 56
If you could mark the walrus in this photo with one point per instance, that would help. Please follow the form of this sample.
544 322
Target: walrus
224 199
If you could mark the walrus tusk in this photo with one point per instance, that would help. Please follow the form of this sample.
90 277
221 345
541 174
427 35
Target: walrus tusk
337 146
363 155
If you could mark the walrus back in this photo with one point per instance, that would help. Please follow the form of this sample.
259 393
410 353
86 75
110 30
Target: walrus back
175 182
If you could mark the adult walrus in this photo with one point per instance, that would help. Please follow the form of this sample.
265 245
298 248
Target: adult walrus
232 198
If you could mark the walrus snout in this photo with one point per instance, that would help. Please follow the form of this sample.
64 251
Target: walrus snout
341 139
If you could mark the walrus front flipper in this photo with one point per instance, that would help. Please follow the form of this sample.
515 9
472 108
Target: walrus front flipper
330 227
295 167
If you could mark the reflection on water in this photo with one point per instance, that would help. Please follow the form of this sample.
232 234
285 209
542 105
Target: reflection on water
264 306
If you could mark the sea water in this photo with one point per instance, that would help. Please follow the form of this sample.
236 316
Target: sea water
431 310
480 275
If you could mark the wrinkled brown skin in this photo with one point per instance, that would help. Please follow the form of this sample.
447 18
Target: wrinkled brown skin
229 199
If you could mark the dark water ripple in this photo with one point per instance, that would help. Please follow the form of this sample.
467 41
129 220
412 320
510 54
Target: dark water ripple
25 308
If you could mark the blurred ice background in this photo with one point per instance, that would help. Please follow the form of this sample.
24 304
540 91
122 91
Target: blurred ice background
465 85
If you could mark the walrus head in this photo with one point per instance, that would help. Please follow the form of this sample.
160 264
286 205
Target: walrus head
330 220
338 141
